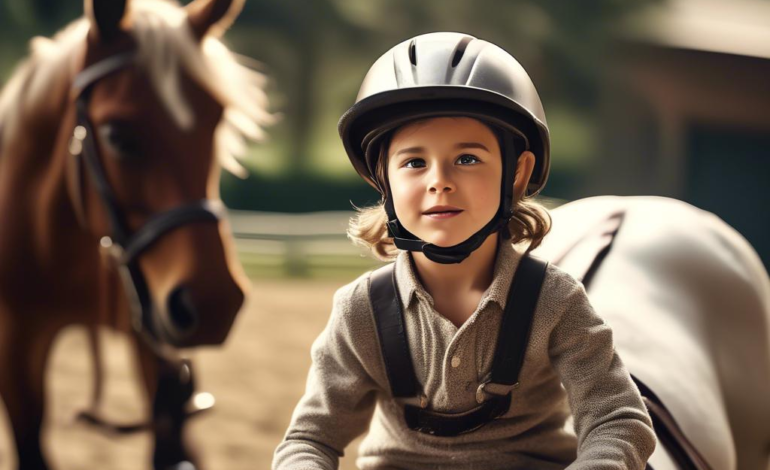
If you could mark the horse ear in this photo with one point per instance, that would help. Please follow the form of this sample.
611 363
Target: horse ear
105 17
212 16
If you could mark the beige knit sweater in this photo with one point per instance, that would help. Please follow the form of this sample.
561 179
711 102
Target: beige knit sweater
348 391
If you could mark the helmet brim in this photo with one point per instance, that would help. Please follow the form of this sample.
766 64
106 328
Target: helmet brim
382 112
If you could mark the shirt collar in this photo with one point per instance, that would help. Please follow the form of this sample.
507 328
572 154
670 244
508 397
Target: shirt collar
406 278
506 262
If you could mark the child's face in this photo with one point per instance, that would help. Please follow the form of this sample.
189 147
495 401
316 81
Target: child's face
445 175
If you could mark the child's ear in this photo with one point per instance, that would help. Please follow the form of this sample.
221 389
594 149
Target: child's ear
524 168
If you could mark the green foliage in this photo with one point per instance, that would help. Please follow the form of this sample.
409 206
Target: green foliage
316 53
40 16
295 193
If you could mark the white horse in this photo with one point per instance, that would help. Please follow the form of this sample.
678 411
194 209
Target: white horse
688 300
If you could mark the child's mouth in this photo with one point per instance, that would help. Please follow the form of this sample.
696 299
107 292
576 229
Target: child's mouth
443 215
442 212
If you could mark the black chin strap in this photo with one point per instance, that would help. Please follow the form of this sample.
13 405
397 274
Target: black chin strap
405 240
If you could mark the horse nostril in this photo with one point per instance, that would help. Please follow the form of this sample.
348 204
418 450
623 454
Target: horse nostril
181 310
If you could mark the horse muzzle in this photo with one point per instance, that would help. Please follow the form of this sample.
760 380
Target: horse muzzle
194 317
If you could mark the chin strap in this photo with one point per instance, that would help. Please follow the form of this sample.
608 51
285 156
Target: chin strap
405 240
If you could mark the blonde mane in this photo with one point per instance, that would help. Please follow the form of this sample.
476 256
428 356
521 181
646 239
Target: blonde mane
166 46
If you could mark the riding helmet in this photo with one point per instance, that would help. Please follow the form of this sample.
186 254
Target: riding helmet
448 74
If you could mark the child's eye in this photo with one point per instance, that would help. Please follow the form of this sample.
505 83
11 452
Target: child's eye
415 163
468 159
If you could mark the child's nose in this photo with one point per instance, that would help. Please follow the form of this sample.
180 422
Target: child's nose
440 181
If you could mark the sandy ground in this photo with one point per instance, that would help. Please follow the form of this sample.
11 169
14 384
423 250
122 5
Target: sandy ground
257 379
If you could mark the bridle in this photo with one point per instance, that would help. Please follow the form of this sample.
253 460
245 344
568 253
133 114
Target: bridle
123 245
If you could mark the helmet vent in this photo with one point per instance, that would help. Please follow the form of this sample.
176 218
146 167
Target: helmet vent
413 52
460 50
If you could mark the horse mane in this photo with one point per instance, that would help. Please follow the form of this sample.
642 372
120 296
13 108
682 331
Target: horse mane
166 45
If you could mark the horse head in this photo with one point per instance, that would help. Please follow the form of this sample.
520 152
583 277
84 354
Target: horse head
159 103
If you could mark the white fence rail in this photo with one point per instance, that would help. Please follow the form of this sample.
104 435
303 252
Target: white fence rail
296 244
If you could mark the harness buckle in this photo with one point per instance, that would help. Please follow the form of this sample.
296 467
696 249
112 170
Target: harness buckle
420 401
488 389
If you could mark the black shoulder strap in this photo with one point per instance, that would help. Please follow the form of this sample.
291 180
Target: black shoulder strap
391 330
514 331
512 338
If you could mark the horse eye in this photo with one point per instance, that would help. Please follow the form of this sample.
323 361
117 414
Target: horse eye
121 139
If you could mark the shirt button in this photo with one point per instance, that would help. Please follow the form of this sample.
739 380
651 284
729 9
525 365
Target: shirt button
456 361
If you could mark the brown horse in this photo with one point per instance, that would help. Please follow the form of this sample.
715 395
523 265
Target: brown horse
110 139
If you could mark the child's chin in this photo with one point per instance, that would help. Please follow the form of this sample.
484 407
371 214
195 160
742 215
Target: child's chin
442 238
445 241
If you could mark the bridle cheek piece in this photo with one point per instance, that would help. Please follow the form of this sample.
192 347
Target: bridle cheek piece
123 245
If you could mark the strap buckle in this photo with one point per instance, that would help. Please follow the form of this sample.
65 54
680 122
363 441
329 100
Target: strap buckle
489 389
114 251
420 400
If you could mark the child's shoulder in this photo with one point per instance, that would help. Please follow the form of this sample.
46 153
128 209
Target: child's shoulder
558 278
352 299
563 301
352 322
560 289
557 281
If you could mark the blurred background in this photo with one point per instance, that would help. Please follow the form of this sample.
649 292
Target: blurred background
661 97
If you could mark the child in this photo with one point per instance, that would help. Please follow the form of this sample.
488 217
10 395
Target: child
451 131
